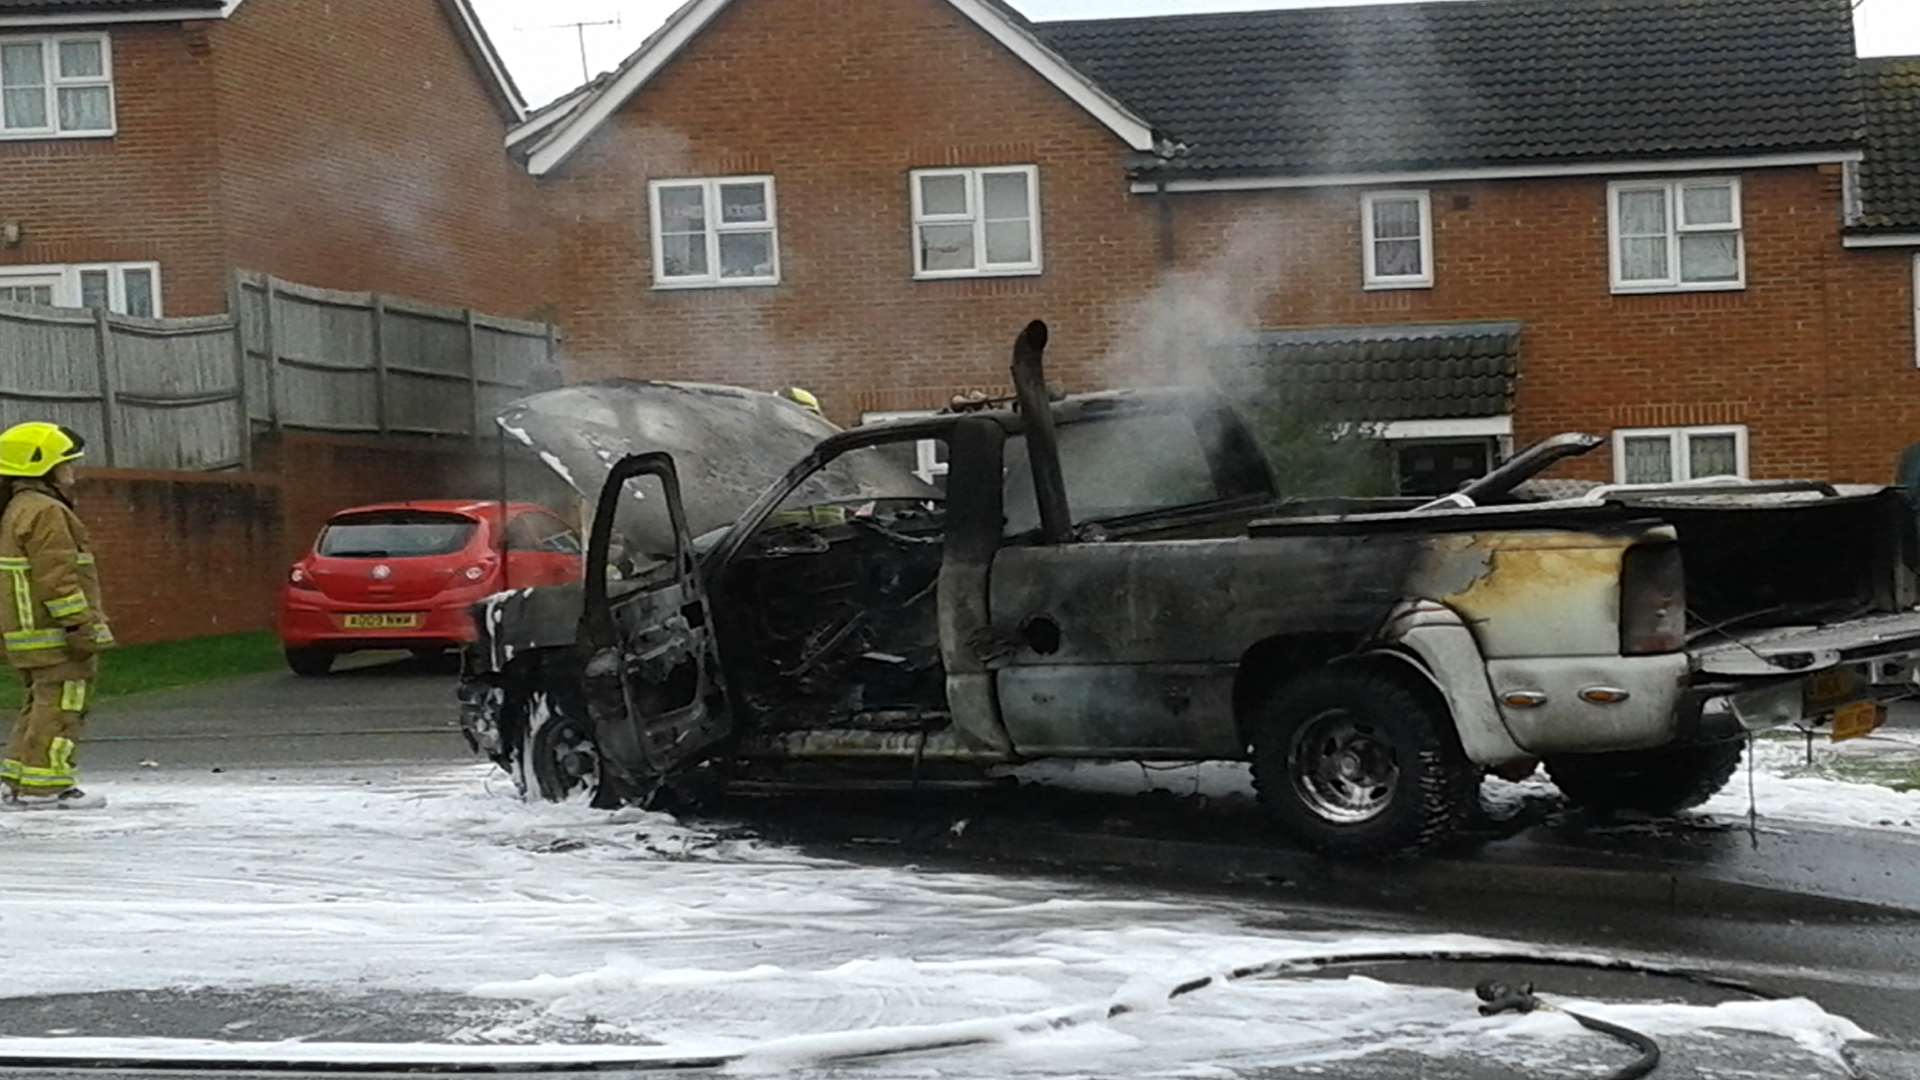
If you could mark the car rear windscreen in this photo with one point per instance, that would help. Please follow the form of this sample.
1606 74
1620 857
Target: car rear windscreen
395 534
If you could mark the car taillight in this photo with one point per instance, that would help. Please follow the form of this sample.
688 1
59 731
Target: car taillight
300 579
1653 600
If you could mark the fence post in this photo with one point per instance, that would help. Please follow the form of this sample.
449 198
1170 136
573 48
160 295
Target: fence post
473 373
272 341
103 352
237 304
380 361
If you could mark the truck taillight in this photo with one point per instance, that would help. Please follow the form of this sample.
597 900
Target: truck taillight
1653 600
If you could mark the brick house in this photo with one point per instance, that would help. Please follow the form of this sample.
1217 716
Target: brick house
1493 220
149 147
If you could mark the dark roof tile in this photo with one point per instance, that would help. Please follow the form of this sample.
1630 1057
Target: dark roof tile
1410 86
1890 175
1396 372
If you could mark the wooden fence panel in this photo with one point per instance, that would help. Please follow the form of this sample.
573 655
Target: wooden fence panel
185 393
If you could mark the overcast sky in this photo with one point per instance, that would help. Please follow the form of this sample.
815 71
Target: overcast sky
544 53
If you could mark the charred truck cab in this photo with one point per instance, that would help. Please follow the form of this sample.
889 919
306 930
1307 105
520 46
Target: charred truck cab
1113 576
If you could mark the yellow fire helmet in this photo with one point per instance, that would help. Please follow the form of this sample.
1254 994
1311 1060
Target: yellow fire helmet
35 447
803 398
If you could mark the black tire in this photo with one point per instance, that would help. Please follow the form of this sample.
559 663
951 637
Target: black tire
1422 791
310 663
1659 781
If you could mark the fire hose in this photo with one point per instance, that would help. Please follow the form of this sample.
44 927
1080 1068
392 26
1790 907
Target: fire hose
1496 998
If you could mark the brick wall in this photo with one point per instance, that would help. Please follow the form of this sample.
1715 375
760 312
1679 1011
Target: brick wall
1873 388
185 554
361 150
145 194
922 87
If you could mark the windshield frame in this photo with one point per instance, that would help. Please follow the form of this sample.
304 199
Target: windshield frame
822 455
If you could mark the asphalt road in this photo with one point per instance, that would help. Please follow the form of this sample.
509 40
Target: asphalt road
390 715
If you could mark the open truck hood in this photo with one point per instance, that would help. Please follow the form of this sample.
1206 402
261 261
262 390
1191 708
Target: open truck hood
728 444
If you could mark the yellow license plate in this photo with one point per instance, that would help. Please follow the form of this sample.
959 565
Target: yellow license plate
1857 719
408 621
1830 687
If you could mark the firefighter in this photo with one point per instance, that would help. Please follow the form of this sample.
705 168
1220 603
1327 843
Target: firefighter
803 398
51 619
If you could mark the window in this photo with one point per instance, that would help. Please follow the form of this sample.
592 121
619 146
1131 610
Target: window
976 222
1397 234
1676 234
536 531
1667 455
1129 463
125 288
929 458
1439 468
56 85
709 233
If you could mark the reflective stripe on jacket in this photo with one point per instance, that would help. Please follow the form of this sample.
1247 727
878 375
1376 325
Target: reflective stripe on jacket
49 586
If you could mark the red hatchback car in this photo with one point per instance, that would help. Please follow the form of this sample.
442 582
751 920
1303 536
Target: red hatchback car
404 575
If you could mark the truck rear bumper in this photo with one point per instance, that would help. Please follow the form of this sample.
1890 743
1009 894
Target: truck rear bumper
1591 704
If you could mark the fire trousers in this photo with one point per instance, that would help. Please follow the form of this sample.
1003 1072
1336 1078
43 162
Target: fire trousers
39 759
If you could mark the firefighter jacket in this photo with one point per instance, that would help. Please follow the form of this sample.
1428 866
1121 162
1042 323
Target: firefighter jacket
50 609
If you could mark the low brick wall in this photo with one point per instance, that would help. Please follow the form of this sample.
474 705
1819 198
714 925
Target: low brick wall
188 554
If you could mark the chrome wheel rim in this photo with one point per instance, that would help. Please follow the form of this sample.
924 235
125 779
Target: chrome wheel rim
1342 769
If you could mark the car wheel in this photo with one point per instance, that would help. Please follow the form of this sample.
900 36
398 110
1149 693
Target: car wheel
558 756
1659 781
1354 762
310 663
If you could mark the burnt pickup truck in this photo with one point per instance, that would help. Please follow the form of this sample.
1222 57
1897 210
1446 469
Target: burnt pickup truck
1114 576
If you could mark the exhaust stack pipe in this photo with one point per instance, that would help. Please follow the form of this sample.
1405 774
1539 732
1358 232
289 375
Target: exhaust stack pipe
1043 446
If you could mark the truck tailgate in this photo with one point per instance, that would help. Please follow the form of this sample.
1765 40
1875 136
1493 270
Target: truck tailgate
1778 650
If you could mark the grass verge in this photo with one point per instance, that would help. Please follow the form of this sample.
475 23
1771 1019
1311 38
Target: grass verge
136 669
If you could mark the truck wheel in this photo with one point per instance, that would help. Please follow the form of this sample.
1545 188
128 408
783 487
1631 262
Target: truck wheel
557 754
1351 762
1658 781
310 663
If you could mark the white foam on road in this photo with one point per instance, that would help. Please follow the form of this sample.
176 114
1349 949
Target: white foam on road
682 940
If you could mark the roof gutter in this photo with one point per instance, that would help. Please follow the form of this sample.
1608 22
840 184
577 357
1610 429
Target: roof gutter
1149 185
1881 240
98 18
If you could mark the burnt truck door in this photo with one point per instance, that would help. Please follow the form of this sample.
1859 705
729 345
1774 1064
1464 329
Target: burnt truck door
652 676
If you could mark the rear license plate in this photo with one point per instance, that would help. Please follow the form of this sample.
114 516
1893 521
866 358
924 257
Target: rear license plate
1857 719
408 621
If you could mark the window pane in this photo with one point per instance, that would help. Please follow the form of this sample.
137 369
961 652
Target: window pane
746 255
1706 205
27 294
682 209
85 108
1005 196
684 255
1713 455
93 288
743 203
1009 242
24 108
946 247
82 60
1643 213
22 65
943 195
139 286
1395 219
1649 459
1643 259
1709 257
1396 258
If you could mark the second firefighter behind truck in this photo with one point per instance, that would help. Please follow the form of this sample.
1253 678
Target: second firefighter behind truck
51 619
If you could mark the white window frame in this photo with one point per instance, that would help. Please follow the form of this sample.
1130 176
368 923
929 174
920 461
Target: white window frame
1371 277
926 452
710 194
1674 190
1679 449
50 65
66 280
976 216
